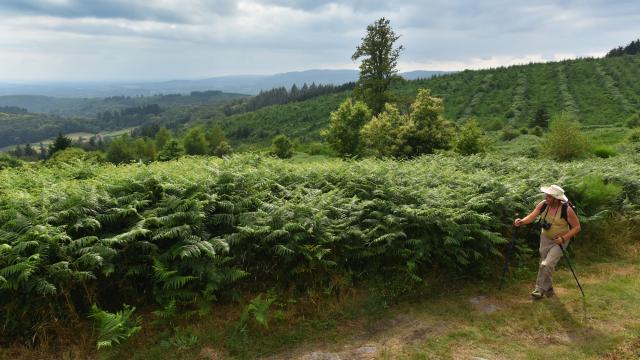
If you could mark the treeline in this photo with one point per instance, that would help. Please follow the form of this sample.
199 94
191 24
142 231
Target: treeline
33 128
280 96
157 144
128 117
12 110
631 49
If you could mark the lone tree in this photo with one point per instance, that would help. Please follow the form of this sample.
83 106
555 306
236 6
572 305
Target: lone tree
60 143
379 62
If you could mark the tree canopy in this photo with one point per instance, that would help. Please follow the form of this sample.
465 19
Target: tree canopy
378 67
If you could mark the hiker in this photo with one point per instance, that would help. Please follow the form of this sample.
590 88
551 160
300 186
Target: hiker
559 224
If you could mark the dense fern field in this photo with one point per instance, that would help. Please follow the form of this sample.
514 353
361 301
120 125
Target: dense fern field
184 235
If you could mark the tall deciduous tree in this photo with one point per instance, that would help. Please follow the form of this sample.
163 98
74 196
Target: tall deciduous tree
379 63
344 127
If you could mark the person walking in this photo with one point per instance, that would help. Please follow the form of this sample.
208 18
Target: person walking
559 224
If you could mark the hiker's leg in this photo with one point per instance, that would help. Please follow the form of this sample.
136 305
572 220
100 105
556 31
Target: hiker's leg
547 267
543 283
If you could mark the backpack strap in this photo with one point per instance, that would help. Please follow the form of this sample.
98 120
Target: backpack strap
563 212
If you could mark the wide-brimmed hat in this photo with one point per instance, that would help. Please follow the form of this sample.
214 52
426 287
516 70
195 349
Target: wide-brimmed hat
555 191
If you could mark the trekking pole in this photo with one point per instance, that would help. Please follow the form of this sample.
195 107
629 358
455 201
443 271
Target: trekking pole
571 267
512 244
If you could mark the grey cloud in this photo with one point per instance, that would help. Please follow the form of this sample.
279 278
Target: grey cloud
180 12
359 6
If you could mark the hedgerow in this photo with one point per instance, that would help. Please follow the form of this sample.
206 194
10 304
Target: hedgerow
185 234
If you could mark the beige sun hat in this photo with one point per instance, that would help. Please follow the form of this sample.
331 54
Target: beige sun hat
555 191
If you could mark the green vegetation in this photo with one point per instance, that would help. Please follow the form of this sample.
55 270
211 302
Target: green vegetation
631 49
566 141
345 124
282 147
182 235
470 140
378 68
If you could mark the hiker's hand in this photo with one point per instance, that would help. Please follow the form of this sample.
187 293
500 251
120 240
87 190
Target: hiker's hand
558 240
517 222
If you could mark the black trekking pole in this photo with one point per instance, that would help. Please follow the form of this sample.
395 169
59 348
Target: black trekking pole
571 267
512 244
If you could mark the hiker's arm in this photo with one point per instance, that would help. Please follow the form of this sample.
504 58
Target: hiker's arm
574 223
529 218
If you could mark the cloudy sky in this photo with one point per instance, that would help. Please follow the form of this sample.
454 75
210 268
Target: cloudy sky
97 40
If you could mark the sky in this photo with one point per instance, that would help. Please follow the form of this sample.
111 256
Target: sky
154 40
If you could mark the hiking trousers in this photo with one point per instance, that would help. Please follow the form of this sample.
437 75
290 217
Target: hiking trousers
550 254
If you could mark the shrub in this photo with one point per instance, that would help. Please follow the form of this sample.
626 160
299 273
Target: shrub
593 194
223 149
509 133
604 151
566 141
282 147
423 131
8 161
344 127
537 131
634 136
633 121
383 135
470 139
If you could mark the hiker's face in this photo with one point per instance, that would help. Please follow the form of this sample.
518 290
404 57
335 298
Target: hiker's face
550 200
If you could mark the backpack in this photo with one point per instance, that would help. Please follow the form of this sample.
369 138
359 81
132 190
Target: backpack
563 211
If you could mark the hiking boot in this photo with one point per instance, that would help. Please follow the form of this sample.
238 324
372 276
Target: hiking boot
536 294
550 293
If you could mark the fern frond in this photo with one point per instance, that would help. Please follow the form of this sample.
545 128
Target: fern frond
177 282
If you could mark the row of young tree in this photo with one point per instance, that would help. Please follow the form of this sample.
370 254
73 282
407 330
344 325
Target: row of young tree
280 96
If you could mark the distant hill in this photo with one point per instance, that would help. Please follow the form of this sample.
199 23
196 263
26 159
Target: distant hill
89 107
95 115
597 91
243 84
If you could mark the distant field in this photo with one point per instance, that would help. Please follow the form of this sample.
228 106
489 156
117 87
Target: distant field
74 136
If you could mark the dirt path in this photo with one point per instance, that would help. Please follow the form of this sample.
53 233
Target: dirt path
487 324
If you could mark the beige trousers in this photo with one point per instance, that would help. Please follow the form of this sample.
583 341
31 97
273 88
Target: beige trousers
550 254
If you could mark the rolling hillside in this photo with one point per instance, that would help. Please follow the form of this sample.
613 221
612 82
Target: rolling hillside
598 91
